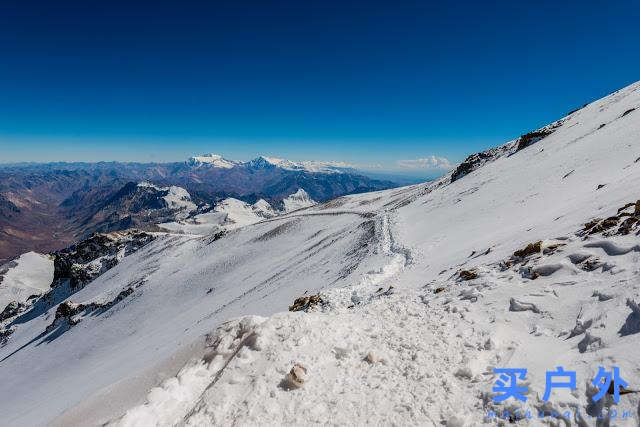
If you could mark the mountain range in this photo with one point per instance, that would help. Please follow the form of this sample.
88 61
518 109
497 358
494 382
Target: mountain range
45 207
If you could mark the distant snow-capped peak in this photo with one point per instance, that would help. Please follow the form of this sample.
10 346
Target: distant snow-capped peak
298 200
214 160
326 167
305 165
264 162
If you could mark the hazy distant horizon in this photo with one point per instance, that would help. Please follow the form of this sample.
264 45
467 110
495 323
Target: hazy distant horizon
398 174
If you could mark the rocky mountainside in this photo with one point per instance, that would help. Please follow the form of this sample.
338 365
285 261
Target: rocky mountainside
134 205
34 283
44 207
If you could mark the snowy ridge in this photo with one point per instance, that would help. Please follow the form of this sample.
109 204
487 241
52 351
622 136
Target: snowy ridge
306 165
29 275
298 200
179 198
214 160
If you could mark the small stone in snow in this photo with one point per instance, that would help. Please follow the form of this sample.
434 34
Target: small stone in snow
530 249
305 303
296 377
372 358
467 275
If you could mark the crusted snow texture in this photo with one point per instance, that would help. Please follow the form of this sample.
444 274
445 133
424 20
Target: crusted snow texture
27 276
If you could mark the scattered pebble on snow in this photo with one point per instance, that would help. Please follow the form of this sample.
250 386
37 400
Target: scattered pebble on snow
296 377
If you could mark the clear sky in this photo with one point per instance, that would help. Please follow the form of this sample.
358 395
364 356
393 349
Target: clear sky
370 82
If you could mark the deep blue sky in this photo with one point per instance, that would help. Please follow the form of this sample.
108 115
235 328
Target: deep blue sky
366 82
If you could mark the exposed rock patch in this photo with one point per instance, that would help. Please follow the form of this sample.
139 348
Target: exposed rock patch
627 112
477 160
5 333
467 275
470 164
531 138
69 313
626 220
307 302
530 249
12 309
86 260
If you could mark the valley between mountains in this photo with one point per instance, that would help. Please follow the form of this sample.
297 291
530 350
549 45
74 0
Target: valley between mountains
47 207
402 300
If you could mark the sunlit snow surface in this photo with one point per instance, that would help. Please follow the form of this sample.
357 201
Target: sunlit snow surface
30 274
420 353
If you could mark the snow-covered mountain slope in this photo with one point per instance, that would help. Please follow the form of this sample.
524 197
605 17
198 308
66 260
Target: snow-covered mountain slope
422 291
176 199
183 287
298 200
229 214
27 276
239 214
33 283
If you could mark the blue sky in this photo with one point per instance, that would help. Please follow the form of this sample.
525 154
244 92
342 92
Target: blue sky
370 83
